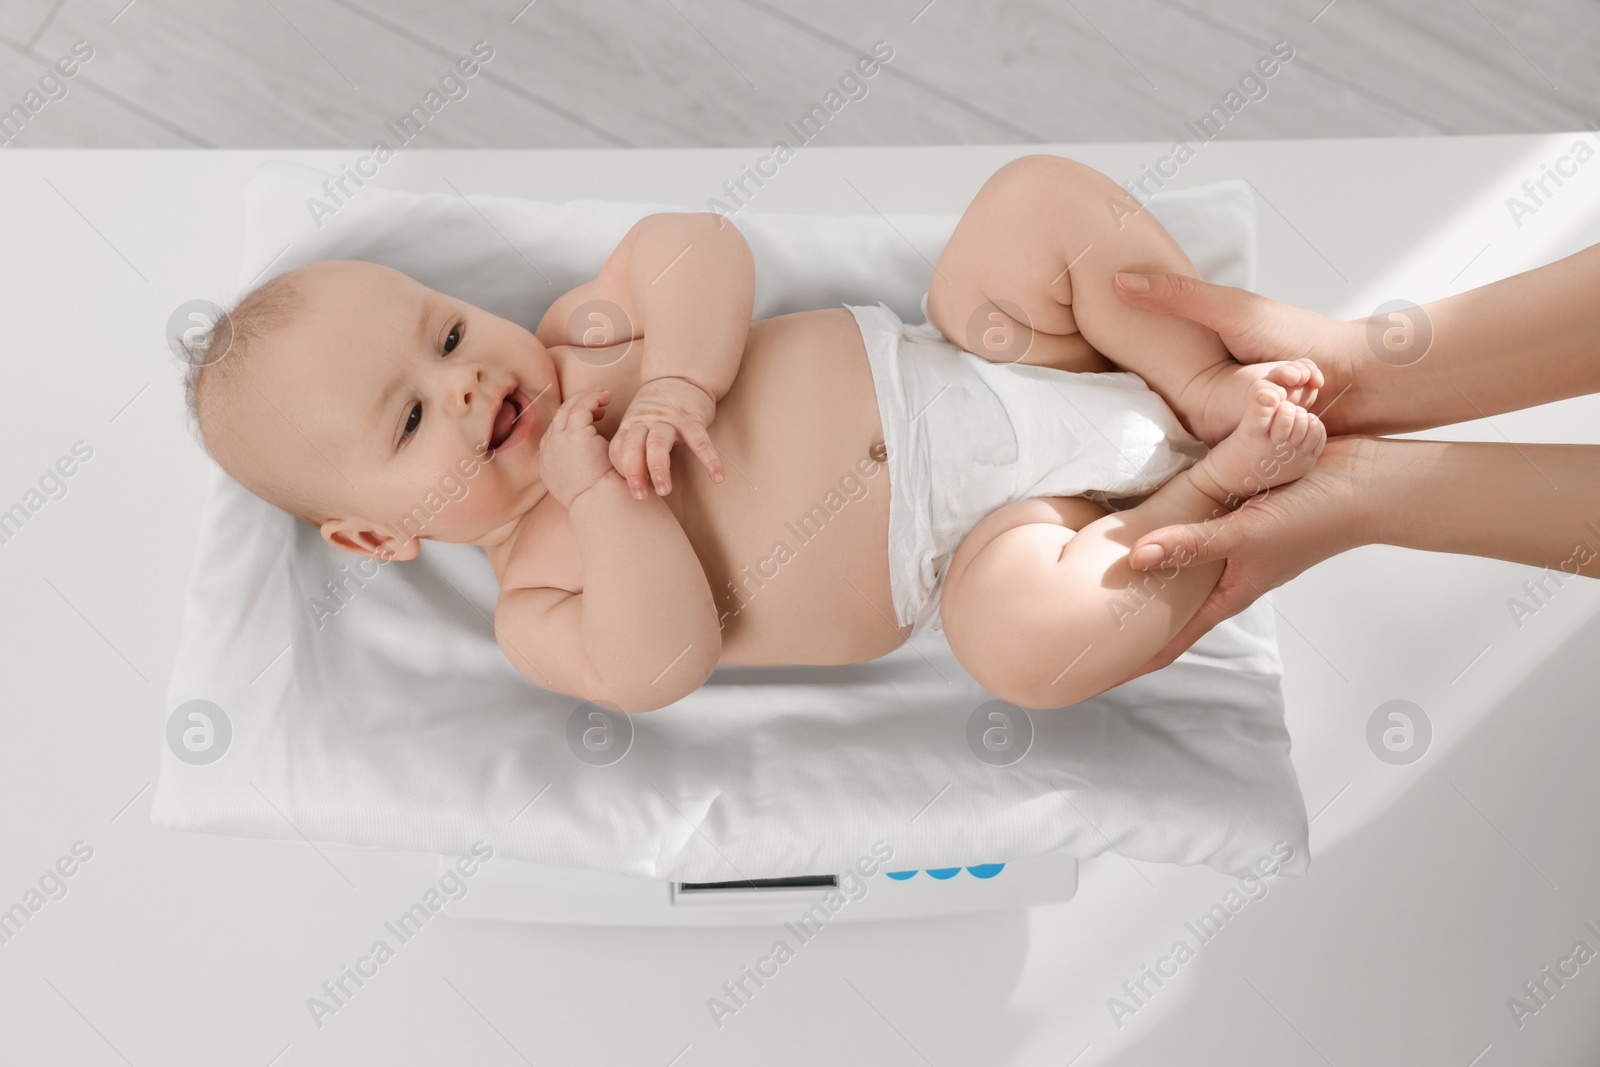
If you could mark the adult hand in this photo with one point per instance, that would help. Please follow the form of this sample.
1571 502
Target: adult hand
1273 537
1256 329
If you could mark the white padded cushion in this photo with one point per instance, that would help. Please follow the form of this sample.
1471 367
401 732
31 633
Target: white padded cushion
397 722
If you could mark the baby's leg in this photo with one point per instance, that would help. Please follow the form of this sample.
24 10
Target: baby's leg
1040 605
1027 277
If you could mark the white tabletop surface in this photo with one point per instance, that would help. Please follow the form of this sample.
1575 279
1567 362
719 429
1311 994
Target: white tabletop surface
1437 889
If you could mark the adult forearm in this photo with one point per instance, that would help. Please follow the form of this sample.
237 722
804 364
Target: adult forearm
1529 339
1532 504
693 281
649 621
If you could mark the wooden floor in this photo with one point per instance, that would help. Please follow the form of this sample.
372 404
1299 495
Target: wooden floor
654 73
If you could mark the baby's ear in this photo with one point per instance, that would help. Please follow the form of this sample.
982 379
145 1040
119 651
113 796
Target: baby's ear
362 540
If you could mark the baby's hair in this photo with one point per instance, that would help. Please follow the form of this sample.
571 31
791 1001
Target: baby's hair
218 362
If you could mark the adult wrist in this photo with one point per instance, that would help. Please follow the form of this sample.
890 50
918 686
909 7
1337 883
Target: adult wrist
1349 411
1371 480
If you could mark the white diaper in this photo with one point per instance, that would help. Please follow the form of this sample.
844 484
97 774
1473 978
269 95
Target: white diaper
966 436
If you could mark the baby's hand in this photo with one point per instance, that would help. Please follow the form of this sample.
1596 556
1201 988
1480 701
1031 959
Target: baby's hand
572 454
664 411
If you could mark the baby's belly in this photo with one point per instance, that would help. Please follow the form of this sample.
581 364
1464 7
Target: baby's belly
794 540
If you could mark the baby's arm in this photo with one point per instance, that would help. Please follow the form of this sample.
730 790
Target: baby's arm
642 631
683 284
692 280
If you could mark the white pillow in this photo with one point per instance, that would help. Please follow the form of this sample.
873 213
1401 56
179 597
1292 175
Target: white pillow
514 257
395 721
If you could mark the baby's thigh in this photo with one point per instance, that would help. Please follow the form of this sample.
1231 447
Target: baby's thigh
1002 603
1001 288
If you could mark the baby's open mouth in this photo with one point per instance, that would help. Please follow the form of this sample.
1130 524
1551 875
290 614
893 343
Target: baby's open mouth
505 420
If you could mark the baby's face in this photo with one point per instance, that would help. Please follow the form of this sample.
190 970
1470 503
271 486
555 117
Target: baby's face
416 411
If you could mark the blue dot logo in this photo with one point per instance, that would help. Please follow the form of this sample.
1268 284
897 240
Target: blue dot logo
986 870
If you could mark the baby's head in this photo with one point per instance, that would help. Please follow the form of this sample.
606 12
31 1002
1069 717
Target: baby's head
375 408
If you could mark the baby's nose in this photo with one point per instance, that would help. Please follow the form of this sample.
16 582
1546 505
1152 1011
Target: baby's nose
463 385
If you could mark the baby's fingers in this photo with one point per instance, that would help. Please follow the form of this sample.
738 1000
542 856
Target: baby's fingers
700 441
658 455
590 401
628 456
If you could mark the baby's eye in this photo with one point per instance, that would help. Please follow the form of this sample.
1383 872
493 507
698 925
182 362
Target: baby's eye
452 340
412 421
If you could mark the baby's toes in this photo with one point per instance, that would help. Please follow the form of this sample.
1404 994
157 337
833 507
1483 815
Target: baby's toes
1302 426
1300 378
1289 375
1308 436
1267 393
1260 409
1312 373
1314 383
1317 381
1316 435
1283 420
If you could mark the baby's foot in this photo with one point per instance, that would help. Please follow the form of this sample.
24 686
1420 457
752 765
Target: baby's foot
1275 442
1213 401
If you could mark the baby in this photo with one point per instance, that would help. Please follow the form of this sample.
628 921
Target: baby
845 481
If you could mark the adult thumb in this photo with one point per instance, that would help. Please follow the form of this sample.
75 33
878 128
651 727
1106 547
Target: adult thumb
1181 546
1219 307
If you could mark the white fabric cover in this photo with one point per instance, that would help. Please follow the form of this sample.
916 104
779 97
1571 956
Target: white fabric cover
398 723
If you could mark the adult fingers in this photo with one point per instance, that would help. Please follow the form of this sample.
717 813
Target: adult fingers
1226 310
1184 546
1231 596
